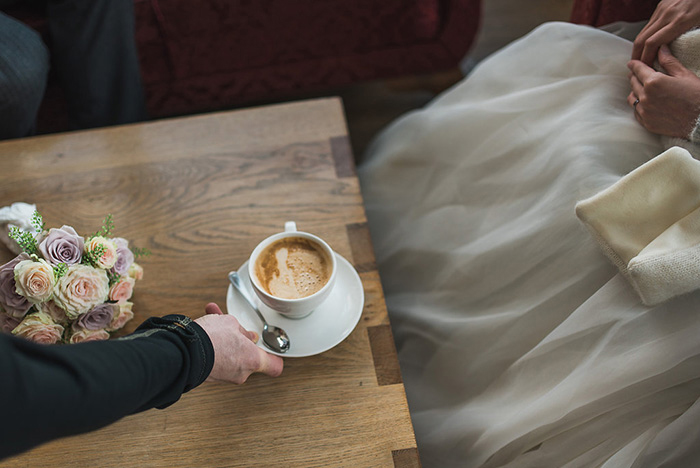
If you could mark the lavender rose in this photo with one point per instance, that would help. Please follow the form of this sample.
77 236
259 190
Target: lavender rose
99 316
8 323
15 305
125 257
62 246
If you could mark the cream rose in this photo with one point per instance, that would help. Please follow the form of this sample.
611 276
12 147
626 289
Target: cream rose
122 290
119 320
82 335
136 271
81 289
34 280
57 314
108 257
40 328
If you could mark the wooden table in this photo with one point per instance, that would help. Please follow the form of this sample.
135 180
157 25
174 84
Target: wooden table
200 193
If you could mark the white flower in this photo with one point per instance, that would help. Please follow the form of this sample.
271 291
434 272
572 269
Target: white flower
16 215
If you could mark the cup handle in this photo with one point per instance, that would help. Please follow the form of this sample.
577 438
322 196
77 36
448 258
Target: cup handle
290 226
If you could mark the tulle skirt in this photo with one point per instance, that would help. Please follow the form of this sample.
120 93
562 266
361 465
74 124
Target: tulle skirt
520 344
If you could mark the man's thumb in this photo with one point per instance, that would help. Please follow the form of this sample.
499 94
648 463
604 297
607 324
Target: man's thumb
213 309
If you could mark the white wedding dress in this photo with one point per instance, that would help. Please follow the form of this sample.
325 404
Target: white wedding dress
521 345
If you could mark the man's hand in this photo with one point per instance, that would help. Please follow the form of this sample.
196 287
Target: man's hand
669 104
236 355
670 19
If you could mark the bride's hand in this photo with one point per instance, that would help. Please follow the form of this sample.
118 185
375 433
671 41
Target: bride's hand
670 19
668 104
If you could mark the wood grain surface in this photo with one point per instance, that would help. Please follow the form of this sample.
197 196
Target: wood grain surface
200 193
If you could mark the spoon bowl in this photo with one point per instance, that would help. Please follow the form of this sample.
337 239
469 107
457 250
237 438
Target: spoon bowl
274 337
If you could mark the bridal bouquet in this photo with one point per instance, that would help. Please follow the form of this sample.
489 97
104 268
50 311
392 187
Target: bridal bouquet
67 288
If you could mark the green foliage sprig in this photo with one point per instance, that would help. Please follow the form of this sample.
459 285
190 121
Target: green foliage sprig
24 239
93 257
38 222
60 270
107 227
113 277
28 244
139 252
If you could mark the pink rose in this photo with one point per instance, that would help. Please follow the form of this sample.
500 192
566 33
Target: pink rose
136 271
34 280
122 290
81 289
108 257
125 314
7 322
40 328
82 335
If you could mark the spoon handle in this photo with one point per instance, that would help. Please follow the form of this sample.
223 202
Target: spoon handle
236 282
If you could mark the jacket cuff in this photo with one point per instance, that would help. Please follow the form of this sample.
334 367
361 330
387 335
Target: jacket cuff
195 340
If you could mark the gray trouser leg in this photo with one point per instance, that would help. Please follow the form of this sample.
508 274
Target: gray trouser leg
24 66
95 57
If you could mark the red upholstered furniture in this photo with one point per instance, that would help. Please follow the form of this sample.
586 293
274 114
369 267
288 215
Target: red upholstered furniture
601 12
200 55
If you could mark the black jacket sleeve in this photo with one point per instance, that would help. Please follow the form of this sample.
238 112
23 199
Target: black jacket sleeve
60 390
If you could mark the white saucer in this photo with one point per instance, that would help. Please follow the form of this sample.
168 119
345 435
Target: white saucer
319 331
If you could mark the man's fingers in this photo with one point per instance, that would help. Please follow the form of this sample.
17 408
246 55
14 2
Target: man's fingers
251 335
270 364
213 309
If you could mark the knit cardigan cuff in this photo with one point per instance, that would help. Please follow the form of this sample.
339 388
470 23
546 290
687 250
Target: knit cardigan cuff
695 132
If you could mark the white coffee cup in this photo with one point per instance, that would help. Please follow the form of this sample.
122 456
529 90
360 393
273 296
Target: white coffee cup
292 307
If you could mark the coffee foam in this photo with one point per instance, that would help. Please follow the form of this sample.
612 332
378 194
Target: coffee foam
293 267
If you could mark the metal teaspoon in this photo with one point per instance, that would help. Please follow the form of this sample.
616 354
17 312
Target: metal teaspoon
274 337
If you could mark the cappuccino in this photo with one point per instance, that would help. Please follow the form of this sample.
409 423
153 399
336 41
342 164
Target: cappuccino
293 267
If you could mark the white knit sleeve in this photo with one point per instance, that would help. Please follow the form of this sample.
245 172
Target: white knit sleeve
695 132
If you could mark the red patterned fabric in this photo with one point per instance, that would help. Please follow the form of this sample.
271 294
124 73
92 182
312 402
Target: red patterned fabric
201 55
602 12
